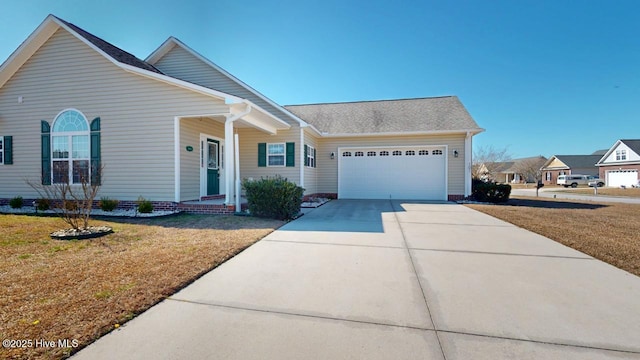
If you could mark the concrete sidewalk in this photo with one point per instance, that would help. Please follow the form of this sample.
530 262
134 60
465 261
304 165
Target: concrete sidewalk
393 280
555 193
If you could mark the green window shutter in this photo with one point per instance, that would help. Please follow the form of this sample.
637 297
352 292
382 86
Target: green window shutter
315 159
262 154
306 152
95 152
8 150
291 154
45 142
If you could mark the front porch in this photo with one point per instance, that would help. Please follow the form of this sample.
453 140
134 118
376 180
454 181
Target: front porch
207 157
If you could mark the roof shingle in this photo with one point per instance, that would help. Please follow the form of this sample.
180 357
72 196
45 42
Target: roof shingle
112 50
388 116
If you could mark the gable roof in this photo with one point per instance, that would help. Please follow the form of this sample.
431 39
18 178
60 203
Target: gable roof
171 42
422 115
115 55
633 144
512 166
575 161
111 50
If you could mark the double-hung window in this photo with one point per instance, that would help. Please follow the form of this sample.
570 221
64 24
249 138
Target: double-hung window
275 154
1 150
70 148
311 156
621 155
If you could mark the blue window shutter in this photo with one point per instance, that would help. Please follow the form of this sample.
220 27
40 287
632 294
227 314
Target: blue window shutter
8 150
262 154
291 154
95 152
45 142
306 152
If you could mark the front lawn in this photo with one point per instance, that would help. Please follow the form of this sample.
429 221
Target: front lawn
629 192
79 290
607 231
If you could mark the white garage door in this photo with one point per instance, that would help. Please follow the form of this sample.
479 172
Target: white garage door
402 172
617 178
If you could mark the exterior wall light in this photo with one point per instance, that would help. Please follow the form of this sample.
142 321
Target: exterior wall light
455 153
333 155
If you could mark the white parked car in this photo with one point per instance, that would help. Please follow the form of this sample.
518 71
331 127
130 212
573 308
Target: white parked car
595 181
572 180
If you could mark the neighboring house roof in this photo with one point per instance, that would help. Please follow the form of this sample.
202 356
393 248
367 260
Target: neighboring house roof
632 144
513 166
435 114
572 161
600 152
111 50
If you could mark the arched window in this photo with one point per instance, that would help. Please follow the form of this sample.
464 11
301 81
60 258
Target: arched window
70 148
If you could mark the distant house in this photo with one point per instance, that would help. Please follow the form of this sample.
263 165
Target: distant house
522 170
514 171
568 164
620 165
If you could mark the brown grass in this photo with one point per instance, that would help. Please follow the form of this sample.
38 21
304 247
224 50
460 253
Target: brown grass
79 290
629 192
608 231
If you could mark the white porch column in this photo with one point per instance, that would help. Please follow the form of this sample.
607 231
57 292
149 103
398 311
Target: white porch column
468 163
176 160
228 159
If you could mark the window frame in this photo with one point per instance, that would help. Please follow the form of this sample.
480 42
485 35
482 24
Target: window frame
283 155
311 156
70 159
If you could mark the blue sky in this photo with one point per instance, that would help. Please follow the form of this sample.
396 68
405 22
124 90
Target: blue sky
542 77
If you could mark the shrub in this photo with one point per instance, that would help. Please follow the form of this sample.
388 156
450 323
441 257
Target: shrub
43 204
144 206
107 204
490 191
275 197
16 202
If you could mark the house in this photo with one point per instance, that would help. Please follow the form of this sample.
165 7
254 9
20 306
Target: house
176 127
568 164
620 165
522 170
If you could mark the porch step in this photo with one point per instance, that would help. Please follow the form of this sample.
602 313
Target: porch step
212 197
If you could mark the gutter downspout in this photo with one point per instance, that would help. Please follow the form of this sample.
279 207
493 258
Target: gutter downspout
229 154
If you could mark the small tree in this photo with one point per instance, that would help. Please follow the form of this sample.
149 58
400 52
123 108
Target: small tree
529 168
72 202
488 161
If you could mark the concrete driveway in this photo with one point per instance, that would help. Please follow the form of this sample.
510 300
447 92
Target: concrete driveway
394 280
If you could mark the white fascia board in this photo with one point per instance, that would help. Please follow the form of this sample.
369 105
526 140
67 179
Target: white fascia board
257 111
28 47
408 133
150 74
606 155
228 98
166 46
309 126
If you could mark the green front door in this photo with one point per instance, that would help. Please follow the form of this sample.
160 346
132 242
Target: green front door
213 169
